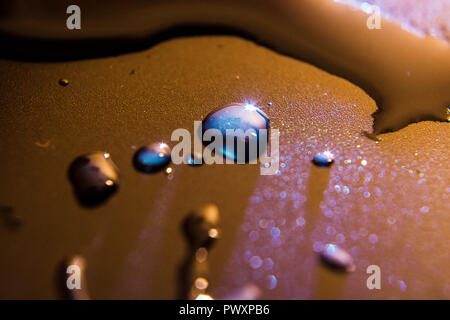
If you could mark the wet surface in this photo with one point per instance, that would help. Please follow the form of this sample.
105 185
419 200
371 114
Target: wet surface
385 202
403 63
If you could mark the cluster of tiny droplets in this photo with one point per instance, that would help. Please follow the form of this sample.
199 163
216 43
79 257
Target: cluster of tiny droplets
368 188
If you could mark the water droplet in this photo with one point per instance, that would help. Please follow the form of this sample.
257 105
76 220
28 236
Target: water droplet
425 209
373 238
324 159
275 232
255 262
301 221
73 293
402 285
337 257
346 190
94 177
243 116
152 158
201 226
64 82
201 283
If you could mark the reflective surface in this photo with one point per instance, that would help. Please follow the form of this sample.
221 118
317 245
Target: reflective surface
396 201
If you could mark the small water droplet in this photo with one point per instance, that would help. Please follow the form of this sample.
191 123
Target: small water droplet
324 159
255 262
201 226
275 232
337 257
201 283
301 221
402 285
64 82
373 238
242 116
152 158
425 209
94 177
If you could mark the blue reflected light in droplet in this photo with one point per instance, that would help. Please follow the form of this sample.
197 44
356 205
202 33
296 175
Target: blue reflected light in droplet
152 158
244 116
324 159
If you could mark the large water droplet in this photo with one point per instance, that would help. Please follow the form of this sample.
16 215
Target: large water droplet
94 177
324 159
152 158
337 257
242 116
201 226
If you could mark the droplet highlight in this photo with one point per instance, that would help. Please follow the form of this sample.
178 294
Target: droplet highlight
63 82
201 226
